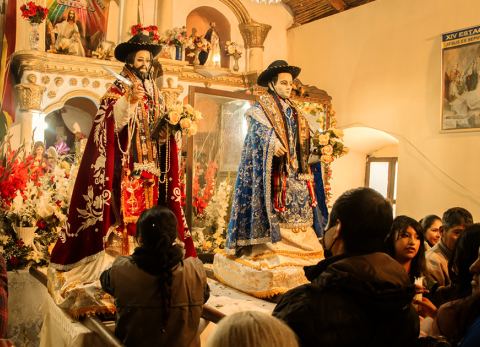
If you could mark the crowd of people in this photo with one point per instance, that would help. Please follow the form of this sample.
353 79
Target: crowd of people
377 285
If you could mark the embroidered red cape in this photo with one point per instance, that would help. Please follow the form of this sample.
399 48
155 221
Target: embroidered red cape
93 204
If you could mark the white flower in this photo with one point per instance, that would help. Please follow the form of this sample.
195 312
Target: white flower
3 239
36 256
17 203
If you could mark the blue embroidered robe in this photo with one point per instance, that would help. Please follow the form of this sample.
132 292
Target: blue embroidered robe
253 219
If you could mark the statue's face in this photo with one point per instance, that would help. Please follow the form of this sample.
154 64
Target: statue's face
39 151
284 84
142 61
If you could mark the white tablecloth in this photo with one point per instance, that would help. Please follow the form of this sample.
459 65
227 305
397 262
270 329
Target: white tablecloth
60 330
26 304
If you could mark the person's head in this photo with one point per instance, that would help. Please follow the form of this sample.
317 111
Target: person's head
140 62
475 269
464 255
71 16
138 53
278 77
405 244
252 329
431 228
157 229
454 221
359 222
39 148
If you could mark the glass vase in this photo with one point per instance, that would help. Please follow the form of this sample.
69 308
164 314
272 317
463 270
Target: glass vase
235 66
34 36
178 53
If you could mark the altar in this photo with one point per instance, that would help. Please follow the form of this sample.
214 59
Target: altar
35 320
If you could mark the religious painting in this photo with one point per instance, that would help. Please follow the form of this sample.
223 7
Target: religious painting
460 85
76 27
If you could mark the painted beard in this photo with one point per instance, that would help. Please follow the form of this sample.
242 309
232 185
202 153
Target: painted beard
139 73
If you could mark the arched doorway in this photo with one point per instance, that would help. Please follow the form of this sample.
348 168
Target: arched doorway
371 161
74 120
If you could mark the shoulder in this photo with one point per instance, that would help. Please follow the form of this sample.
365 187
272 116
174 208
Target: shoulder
256 113
194 264
122 262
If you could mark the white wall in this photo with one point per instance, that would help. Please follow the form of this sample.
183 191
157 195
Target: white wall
381 63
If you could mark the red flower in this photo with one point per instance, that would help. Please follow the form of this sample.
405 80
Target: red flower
41 224
13 261
136 28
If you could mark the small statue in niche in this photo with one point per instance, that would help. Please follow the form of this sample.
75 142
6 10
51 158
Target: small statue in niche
214 53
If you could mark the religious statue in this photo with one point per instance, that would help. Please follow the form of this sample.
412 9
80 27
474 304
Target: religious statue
128 169
38 162
68 39
213 58
275 222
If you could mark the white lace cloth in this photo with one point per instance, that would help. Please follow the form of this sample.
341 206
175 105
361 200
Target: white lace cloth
26 307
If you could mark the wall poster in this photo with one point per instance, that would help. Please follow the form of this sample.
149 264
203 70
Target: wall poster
460 85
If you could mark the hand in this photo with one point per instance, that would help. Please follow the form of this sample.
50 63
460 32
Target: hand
137 93
425 308
279 149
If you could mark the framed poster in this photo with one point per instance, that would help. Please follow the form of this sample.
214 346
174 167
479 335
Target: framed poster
460 82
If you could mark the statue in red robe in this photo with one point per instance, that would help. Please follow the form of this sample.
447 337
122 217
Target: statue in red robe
123 170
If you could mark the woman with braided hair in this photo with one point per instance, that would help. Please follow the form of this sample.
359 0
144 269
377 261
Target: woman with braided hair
159 295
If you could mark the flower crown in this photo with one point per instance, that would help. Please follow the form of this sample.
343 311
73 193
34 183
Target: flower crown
151 30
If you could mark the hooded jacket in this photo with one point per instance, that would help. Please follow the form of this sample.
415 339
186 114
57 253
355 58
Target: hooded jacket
362 300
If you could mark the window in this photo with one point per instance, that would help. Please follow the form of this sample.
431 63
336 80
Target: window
381 175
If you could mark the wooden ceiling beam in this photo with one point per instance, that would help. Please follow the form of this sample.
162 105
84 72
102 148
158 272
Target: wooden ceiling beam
339 5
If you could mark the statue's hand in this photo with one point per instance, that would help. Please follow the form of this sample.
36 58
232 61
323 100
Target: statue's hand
137 93
279 149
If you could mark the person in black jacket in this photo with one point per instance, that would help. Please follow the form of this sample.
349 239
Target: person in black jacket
358 296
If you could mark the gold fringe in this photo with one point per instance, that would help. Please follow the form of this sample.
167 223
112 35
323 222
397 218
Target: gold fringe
293 254
258 294
81 312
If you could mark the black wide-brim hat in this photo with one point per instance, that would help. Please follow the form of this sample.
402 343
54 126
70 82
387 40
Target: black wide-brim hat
139 42
274 69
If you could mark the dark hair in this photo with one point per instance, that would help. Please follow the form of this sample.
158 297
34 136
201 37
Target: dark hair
130 59
158 253
456 216
38 144
400 224
427 221
366 218
464 254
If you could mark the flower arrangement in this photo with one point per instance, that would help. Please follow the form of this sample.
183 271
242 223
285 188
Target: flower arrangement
329 144
202 195
151 30
233 49
198 44
34 13
30 200
13 172
176 36
211 238
182 118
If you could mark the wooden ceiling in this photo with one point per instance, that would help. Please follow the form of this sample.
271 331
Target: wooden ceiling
305 11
